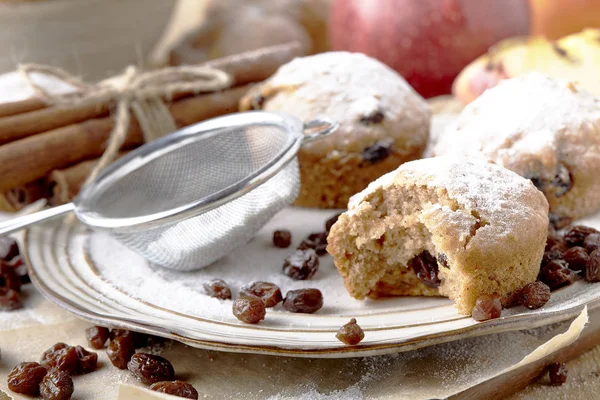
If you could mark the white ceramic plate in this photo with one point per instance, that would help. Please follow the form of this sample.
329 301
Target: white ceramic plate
96 278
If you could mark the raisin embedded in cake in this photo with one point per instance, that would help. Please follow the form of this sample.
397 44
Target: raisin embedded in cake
442 226
544 130
383 121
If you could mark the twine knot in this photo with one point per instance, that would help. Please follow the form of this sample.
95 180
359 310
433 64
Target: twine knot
143 92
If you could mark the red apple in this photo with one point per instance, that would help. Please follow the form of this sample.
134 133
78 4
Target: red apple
426 41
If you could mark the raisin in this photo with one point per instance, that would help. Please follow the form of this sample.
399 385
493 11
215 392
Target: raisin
557 274
249 309
535 295
97 336
9 248
301 265
557 373
119 351
557 252
150 369
138 339
25 378
57 385
426 269
577 258
176 388
592 242
442 259
515 298
20 269
9 277
315 241
351 333
218 288
268 292
9 300
592 269
562 182
258 102
60 357
282 239
487 307
378 152
553 238
305 301
87 361
559 221
329 223
577 234
373 118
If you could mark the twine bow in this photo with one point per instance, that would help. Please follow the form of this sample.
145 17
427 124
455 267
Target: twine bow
141 92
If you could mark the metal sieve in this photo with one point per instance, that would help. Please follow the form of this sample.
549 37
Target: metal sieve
190 198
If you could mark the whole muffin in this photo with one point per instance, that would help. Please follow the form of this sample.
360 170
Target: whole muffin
383 121
442 226
544 130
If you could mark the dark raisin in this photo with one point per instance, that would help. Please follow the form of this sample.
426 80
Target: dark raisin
487 307
374 117
559 221
378 152
315 241
258 101
9 300
557 252
557 274
136 338
176 388
25 378
268 292
592 242
9 277
9 248
557 373
442 259
97 336
119 351
150 369
60 357
426 269
562 182
305 301
577 258
577 234
535 295
87 361
217 288
592 268
515 298
329 223
20 269
249 309
282 238
301 265
351 333
57 385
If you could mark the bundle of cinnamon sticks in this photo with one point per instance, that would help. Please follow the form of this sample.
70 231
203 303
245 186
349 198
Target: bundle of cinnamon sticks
48 151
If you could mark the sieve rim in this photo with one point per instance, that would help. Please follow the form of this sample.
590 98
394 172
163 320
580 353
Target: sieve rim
142 155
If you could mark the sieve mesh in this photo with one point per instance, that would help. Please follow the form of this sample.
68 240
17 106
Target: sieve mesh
187 169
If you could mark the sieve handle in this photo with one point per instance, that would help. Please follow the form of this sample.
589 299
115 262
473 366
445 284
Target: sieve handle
18 223
318 128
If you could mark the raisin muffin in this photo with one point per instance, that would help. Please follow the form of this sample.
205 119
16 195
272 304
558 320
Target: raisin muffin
442 226
545 130
383 121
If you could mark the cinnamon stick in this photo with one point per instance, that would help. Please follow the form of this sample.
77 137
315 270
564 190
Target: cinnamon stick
16 198
247 67
22 106
36 156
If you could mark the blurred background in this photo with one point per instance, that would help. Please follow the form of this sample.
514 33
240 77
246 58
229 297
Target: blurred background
429 42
